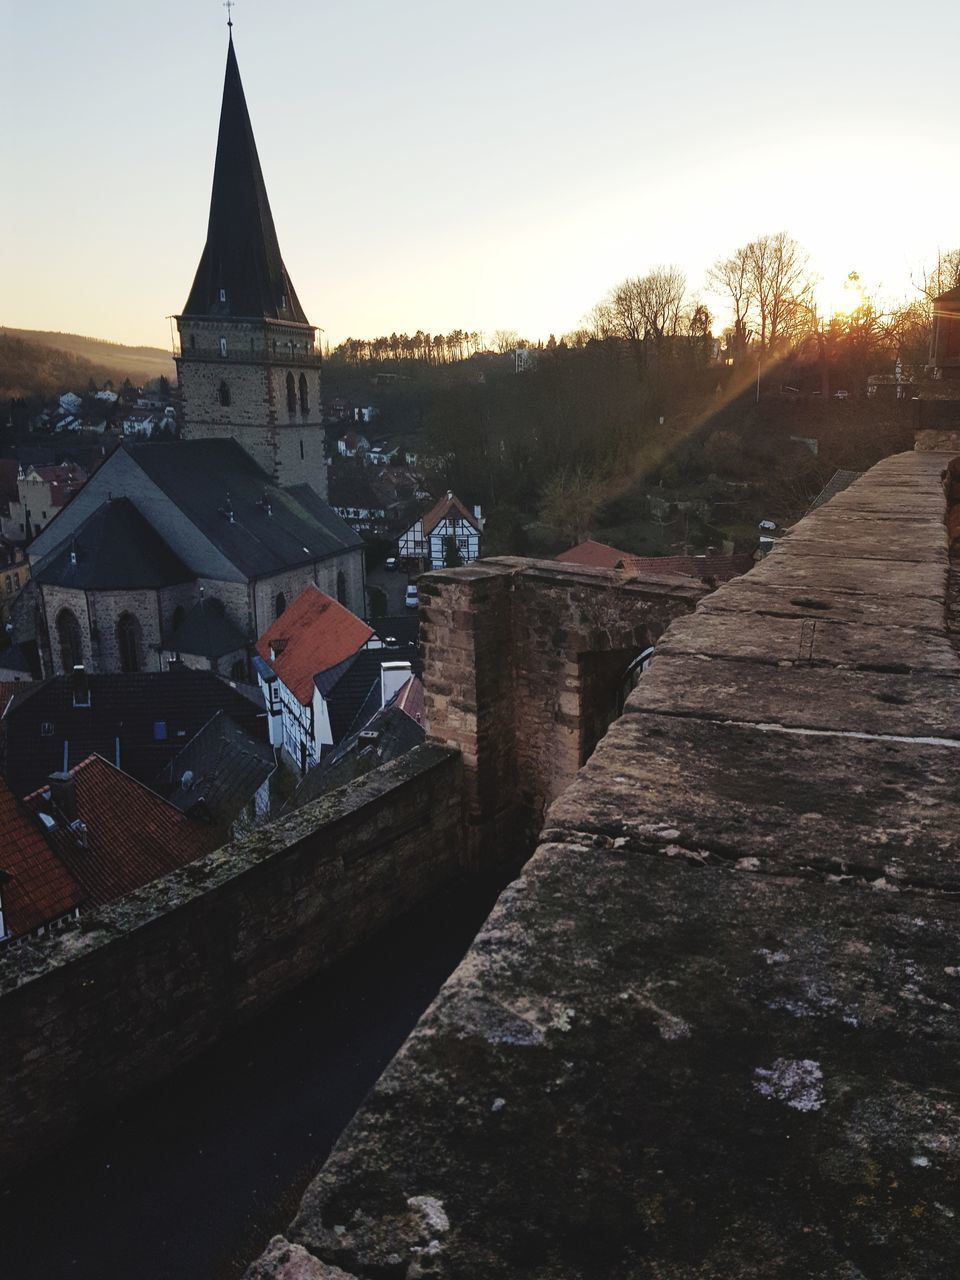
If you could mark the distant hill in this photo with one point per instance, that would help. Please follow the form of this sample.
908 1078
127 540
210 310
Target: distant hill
35 362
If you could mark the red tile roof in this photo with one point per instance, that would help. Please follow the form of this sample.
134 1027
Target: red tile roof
64 479
450 502
132 836
410 699
708 568
596 555
40 889
314 634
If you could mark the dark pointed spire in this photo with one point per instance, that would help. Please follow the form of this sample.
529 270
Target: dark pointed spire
241 272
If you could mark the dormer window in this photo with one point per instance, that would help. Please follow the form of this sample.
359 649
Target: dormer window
283 302
223 295
223 347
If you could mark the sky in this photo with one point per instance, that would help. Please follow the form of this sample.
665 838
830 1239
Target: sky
496 165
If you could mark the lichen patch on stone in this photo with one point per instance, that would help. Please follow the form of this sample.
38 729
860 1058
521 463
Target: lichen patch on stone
798 1082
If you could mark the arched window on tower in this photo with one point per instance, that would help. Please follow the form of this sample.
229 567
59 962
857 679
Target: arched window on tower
71 640
179 614
291 394
342 587
129 643
224 394
280 604
304 395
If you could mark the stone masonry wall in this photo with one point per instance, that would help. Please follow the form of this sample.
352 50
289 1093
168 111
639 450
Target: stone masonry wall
712 1030
502 644
144 985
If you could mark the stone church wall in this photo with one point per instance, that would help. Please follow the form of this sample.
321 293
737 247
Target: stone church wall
146 984
57 598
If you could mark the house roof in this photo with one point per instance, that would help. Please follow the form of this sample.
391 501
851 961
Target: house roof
37 888
242 254
448 504
207 632
410 700
114 549
352 689
708 568
839 481
132 836
218 772
271 529
64 479
951 295
153 714
596 555
397 733
312 635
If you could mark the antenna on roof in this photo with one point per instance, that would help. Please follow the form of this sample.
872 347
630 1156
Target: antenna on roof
228 5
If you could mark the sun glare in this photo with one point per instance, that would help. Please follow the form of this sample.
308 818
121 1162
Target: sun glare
840 298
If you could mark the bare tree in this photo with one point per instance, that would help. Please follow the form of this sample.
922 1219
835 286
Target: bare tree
570 501
782 289
505 340
643 309
942 276
733 278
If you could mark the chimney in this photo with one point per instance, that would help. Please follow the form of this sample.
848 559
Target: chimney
81 686
63 794
393 676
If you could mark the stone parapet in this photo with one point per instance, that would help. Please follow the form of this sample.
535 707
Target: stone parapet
711 1031
96 1012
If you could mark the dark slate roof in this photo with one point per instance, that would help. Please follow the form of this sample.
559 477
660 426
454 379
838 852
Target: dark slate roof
839 481
218 772
242 253
348 686
42 718
114 549
353 758
206 632
272 528
403 628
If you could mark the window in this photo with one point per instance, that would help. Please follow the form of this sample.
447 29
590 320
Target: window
279 604
301 450
342 587
291 394
223 346
304 395
9 586
129 643
71 640
16 581
159 730
43 515
223 395
223 295
179 614
193 342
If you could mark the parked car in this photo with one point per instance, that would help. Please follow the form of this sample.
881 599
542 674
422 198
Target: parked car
390 563
841 395
412 598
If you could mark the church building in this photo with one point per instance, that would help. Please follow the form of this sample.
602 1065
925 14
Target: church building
187 550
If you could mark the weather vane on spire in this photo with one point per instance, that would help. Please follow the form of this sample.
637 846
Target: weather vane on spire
228 5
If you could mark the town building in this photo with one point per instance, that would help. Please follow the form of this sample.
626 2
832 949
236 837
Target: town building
447 534
42 492
37 892
222 775
248 359
324 672
139 722
163 525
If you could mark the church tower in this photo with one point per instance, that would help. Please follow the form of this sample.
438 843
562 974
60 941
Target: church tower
249 360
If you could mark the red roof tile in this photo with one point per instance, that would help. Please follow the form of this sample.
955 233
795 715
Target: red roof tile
410 699
450 502
132 835
314 634
596 555
709 568
40 889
